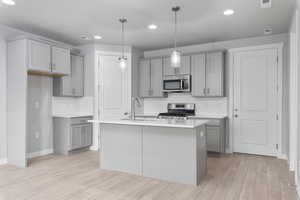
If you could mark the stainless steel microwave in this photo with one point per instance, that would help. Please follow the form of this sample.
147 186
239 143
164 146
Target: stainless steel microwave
177 83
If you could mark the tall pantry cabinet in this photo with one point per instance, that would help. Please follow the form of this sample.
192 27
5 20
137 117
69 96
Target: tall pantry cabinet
26 57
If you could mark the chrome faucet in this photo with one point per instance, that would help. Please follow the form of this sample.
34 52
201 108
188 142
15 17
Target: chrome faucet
139 103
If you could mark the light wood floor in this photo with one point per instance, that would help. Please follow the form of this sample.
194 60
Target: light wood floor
231 177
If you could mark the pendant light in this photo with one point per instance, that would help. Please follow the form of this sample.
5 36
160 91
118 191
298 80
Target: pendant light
176 55
123 59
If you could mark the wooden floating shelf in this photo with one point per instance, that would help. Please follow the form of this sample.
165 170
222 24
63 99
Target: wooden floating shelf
45 74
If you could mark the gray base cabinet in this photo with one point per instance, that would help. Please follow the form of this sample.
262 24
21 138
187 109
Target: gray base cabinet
216 136
71 134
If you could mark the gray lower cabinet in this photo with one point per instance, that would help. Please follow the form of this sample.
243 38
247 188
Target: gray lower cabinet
151 78
71 134
216 136
207 71
73 84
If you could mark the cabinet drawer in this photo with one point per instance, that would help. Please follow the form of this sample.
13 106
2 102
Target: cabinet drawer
81 120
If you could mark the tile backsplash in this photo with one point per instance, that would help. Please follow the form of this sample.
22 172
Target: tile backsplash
203 105
66 105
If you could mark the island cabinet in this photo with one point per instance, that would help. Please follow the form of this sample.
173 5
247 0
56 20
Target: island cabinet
71 133
151 78
166 150
207 71
46 58
185 68
73 84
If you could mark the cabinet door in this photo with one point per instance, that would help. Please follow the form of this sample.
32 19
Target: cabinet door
168 70
61 60
86 135
75 139
39 56
185 67
156 77
214 74
77 75
198 75
144 78
213 138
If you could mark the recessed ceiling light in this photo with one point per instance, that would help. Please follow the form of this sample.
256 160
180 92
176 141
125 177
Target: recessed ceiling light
97 37
228 12
9 2
84 37
152 26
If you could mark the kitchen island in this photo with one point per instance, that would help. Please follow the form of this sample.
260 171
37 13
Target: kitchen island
171 150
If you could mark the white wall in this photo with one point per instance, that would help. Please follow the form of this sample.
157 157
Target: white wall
3 74
225 45
295 64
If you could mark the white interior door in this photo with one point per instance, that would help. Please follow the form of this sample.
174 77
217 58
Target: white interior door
115 92
255 94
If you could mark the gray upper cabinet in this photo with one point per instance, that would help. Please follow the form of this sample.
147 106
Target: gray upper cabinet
39 56
144 78
60 60
151 77
185 67
208 74
73 84
168 70
42 57
156 77
77 75
215 74
198 75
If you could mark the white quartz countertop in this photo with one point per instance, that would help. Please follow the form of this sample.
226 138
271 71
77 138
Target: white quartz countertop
192 123
72 115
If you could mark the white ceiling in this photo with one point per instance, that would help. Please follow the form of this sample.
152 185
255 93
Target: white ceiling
200 21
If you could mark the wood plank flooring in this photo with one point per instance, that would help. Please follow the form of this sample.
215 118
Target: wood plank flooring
77 177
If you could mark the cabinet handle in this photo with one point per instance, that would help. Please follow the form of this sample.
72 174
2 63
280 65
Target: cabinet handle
236 116
204 90
208 90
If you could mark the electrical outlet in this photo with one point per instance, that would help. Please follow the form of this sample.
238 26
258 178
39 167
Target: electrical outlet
37 135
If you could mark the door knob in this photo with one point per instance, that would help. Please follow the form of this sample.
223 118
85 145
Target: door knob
236 116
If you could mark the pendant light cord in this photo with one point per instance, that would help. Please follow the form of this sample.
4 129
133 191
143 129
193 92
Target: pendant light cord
123 39
123 21
175 32
175 10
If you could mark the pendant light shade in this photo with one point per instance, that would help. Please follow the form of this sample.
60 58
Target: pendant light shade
123 59
176 59
176 55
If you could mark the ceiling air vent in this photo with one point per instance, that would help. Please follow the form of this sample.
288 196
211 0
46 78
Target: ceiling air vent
266 3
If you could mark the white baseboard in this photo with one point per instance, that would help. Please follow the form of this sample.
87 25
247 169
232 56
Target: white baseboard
94 148
3 161
40 153
282 157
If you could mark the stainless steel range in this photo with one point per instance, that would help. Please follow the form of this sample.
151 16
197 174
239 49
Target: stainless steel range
180 111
